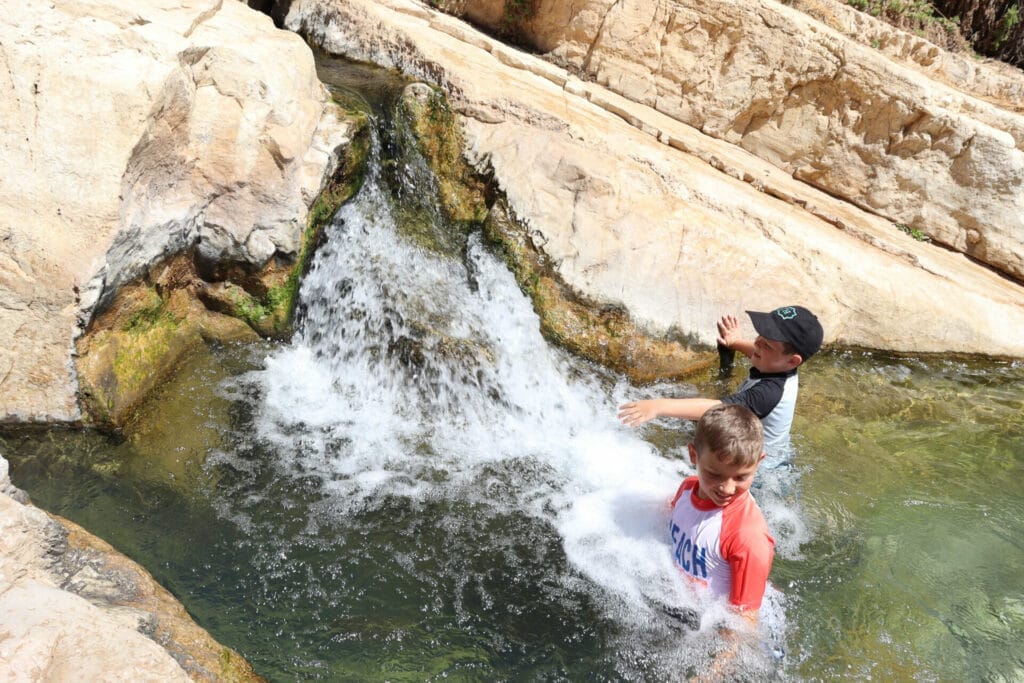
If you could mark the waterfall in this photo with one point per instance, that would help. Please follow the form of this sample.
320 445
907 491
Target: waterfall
419 377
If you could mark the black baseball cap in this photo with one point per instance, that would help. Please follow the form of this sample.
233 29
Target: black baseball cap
793 324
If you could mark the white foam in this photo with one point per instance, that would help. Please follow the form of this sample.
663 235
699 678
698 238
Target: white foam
402 370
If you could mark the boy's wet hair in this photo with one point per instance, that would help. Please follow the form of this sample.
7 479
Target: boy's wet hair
732 433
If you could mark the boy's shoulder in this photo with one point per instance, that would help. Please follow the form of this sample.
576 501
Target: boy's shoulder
744 525
688 484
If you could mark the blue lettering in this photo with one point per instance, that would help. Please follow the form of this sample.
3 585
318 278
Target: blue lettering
689 556
701 561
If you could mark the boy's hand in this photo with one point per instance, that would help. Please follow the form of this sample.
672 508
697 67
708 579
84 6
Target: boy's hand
636 413
729 331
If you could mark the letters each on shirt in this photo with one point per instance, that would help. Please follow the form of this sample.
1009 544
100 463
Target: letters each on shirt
691 558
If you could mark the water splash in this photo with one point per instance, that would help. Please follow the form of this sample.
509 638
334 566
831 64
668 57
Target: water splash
422 376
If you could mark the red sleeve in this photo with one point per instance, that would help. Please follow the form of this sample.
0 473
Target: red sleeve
749 549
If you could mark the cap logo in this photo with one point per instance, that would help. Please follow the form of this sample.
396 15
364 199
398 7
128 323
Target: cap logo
787 313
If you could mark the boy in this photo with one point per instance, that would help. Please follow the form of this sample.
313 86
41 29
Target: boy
719 537
786 338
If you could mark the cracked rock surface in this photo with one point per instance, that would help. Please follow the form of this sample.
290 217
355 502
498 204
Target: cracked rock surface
133 131
667 216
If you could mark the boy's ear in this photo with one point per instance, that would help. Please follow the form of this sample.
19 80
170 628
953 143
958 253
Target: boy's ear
693 453
795 360
761 457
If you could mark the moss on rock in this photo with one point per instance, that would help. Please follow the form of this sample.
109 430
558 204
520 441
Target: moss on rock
128 350
160 319
603 334
463 192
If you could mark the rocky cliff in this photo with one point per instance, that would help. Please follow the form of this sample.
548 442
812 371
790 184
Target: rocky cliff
906 131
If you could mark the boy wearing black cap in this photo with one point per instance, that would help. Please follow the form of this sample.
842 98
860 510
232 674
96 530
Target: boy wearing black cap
786 337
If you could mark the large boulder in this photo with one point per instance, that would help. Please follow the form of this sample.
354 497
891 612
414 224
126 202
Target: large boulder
134 131
906 131
636 209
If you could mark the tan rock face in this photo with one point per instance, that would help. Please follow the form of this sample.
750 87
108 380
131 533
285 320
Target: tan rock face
637 210
73 609
894 137
131 132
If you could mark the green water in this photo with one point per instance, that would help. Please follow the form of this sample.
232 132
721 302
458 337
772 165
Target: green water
908 477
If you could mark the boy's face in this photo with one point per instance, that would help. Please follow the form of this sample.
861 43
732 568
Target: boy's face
719 481
770 356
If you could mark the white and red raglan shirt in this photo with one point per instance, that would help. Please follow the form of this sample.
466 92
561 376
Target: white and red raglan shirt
728 548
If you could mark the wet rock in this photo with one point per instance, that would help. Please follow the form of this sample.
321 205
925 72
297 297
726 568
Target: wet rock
205 128
72 608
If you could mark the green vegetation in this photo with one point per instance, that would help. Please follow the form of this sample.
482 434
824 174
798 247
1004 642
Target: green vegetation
517 14
913 232
1008 23
149 316
919 17
429 141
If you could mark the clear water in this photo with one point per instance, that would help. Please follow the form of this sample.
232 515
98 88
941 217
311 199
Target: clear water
418 487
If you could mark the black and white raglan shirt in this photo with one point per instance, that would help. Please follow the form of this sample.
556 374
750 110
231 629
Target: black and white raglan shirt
772 397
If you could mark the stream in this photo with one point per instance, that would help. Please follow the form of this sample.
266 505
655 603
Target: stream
418 486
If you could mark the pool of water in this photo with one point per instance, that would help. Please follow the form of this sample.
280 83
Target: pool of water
907 477
911 482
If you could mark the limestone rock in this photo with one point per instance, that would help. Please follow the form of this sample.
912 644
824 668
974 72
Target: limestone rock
134 131
897 137
73 609
638 210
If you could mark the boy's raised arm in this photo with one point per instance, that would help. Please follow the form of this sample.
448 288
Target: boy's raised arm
729 336
635 413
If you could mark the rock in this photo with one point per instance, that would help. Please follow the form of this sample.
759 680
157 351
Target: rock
638 211
920 139
133 346
134 131
606 335
73 609
438 134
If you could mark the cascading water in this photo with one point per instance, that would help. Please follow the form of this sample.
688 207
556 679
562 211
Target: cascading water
420 416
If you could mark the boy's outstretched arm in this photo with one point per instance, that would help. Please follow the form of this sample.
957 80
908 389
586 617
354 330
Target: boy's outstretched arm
635 413
729 336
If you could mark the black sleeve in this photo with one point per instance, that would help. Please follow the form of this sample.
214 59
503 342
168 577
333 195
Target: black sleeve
761 397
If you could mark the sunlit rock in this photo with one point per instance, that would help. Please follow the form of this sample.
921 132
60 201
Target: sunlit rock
73 608
637 210
132 132
923 138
